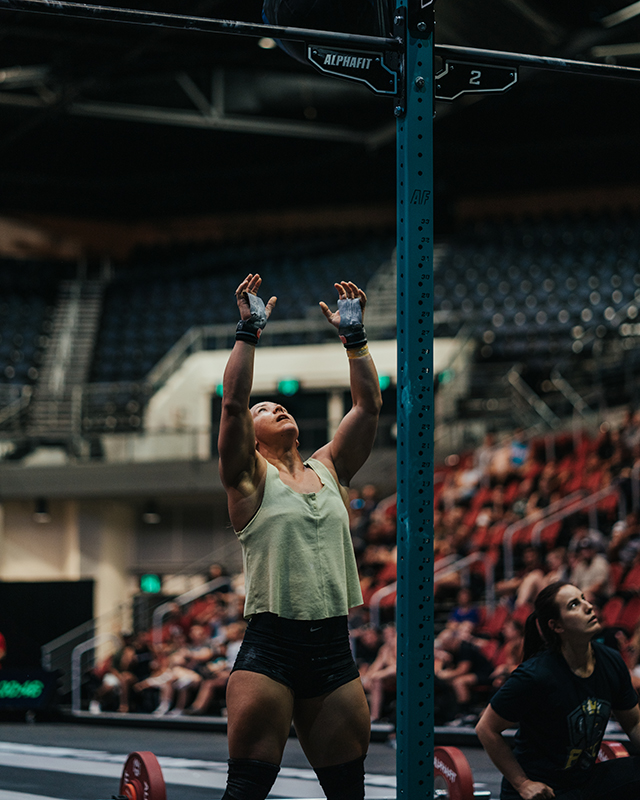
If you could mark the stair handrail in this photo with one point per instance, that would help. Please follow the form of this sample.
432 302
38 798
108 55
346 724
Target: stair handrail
16 406
374 604
510 532
193 340
76 671
534 400
591 500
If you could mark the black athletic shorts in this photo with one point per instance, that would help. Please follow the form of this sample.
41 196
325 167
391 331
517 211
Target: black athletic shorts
311 657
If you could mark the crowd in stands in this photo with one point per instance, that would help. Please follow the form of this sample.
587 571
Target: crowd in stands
490 502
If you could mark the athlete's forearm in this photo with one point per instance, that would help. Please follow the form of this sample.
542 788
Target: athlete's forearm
238 377
364 383
500 753
634 737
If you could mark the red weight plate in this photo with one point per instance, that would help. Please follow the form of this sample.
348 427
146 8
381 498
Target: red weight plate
142 778
609 750
452 774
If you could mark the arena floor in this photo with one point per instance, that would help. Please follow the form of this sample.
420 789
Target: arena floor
83 762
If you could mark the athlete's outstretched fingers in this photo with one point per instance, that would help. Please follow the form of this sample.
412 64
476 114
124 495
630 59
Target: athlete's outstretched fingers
270 305
242 288
254 284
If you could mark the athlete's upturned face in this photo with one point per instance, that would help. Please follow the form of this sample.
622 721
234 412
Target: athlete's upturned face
272 422
577 615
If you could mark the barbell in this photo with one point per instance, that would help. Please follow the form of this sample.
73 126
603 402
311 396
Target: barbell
142 777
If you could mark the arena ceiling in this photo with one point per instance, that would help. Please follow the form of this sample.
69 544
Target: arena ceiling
124 122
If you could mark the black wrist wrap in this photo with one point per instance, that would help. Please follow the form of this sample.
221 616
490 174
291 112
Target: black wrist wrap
351 330
250 330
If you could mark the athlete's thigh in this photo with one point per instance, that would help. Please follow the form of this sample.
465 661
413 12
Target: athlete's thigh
334 728
259 713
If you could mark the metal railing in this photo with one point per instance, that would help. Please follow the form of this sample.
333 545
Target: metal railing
590 502
507 538
278 332
376 600
76 666
460 565
13 401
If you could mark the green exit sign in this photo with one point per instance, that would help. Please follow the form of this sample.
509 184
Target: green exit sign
150 584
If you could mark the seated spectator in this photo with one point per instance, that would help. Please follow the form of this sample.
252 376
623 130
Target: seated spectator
197 652
117 679
501 466
378 569
367 644
581 532
381 675
484 456
591 571
523 588
215 673
509 655
174 623
633 651
465 611
217 572
625 540
140 667
208 611
172 680
519 451
557 566
461 664
630 579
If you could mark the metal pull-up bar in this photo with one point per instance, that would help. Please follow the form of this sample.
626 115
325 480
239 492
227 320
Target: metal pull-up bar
162 19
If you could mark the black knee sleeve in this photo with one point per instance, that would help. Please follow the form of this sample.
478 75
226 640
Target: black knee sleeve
343 781
248 779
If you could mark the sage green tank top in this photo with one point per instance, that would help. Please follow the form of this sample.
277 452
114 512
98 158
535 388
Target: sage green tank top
297 552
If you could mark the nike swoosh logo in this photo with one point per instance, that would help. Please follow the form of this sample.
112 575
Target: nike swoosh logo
313 630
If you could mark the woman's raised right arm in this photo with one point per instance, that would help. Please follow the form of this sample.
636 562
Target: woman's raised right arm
236 438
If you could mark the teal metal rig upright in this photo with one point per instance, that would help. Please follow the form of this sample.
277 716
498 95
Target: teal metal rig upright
415 421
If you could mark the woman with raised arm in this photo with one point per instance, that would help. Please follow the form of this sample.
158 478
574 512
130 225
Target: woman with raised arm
295 664
560 699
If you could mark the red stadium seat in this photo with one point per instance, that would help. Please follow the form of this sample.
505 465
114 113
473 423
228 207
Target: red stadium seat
615 574
611 611
630 616
631 581
522 612
495 621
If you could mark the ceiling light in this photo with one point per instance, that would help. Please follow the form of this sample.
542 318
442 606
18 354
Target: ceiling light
608 50
41 513
623 15
151 515
266 43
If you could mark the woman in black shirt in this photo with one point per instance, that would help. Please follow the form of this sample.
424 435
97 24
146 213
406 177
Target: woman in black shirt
560 699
